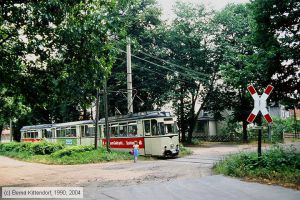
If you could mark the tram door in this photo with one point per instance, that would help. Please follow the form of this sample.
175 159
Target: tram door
147 132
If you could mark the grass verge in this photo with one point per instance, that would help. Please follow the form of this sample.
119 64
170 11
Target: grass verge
58 154
31 152
279 165
184 151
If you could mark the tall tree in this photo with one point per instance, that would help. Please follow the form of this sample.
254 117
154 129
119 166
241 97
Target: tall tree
234 42
187 43
142 21
277 35
47 45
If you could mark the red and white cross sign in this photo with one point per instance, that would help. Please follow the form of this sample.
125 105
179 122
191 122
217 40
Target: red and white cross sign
260 103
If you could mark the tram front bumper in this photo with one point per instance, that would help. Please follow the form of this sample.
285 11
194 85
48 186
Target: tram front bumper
171 152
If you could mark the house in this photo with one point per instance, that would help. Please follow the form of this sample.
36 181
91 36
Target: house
5 136
207 126
279 111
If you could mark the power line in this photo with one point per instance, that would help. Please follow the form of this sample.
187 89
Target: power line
161 66
160 74
183 68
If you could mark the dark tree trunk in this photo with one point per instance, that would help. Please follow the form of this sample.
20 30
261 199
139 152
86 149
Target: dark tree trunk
182 118
1 128
85 117
245 134
192 122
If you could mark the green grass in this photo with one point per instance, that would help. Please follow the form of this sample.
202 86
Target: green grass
184 151
54 153
278 165
59 154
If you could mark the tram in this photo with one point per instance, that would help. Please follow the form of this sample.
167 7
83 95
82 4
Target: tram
155 131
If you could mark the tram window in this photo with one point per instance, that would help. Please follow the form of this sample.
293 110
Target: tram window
68 132
169 128
61 132
147 127
26 135
154 127
123 130
132 130
82 131
57 132
161 128
71 132
114 130
90 131
34 134
48 133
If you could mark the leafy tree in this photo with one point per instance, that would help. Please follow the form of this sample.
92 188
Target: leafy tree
234 42
142 22
47 45
278 37
186 42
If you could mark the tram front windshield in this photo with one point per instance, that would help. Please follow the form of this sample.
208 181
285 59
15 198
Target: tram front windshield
166 128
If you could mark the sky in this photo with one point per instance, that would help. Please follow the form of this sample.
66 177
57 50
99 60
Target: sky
214 4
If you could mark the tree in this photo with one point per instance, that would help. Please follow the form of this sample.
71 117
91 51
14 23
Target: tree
278 37
142 22
47 45
187 42
234 42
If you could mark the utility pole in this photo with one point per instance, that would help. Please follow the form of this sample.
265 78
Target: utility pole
97 118
11 130
106 116
129 78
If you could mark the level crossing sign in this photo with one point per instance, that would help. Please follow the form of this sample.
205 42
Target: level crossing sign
260 103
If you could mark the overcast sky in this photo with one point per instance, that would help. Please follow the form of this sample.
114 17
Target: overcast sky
214 4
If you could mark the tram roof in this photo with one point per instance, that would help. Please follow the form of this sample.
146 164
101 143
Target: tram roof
133 116
39 126
140 115
73 123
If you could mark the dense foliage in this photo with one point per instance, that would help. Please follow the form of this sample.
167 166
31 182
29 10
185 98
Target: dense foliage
52 153
40 148
279 164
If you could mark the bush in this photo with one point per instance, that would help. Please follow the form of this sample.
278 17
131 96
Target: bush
277 164
196 141
70 150
40 148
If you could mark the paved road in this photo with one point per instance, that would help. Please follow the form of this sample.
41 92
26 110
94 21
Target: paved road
207 188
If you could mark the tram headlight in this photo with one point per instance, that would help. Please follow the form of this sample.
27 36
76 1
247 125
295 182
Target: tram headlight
172 146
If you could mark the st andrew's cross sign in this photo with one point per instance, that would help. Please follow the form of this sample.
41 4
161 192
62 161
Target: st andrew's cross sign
260 103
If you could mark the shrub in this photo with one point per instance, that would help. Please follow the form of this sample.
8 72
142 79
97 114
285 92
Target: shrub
70 150
40 148
279 163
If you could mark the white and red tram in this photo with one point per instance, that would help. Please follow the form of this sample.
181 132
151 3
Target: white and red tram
156 133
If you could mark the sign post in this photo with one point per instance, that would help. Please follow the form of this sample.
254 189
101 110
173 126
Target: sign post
260 109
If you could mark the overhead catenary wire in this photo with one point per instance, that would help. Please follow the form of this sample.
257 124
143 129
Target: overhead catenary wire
167 62
166 68
158 73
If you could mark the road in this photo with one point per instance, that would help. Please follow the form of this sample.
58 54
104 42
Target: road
183 178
